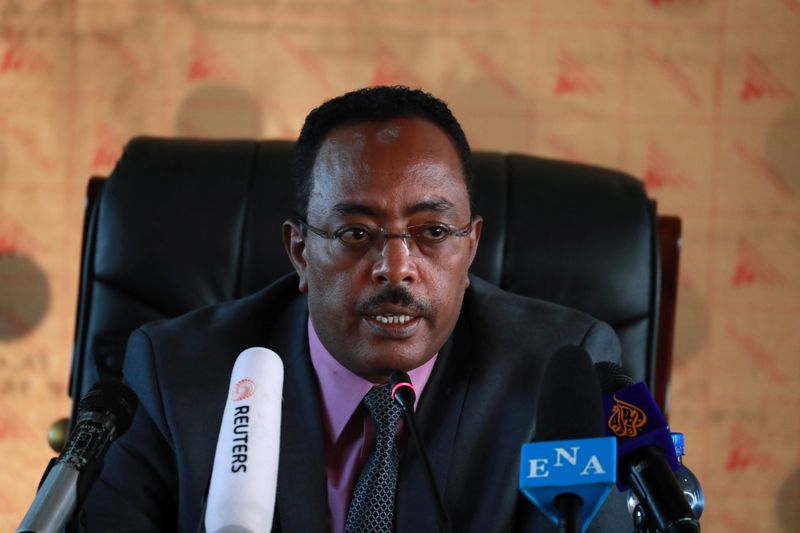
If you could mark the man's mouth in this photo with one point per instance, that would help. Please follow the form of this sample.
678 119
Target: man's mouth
392 319
394 313
392 324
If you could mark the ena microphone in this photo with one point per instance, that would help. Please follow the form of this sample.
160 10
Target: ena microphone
105 413
569 469
244 479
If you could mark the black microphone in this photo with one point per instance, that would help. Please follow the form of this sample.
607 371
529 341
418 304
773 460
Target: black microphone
646 454
105 413
568 470
404 394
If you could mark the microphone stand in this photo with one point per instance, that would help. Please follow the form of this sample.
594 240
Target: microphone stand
56 513
404 394
443 518
569 512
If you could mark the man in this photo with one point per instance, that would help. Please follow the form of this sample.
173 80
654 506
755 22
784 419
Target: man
381 240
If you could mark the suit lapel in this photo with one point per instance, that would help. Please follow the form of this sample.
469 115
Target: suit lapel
302 501
439 418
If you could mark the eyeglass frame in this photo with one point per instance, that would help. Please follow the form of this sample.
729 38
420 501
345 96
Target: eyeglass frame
453 231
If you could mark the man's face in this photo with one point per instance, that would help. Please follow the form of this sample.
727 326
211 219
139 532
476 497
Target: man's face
393 304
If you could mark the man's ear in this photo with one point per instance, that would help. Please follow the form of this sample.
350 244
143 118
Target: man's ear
295 246
474 239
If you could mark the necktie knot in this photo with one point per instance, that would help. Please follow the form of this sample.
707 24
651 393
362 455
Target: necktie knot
384 411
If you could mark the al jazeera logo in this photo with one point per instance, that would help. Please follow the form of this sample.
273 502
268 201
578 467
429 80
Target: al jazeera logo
626 419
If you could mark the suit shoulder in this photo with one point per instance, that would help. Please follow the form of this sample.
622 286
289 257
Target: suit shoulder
524 323
216 318
499 304
204 343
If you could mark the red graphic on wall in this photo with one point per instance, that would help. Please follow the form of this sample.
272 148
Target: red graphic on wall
563 149
29 143
9 244
793 5
659 3
206 63
574 77
746 452
12 60
675 73
9 424
108 148
761 356
305 59
763 167
752 268
662 172
489 66
390 70
124 53
760 83
20 59
15 240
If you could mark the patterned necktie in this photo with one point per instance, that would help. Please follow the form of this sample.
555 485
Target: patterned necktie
372 506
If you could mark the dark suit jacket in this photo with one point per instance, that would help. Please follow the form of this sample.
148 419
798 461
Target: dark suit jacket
477 410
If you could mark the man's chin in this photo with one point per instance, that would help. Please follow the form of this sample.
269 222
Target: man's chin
381 365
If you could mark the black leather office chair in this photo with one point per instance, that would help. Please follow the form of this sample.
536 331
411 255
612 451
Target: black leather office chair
184 223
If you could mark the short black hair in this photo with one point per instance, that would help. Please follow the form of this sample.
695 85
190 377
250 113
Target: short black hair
370 104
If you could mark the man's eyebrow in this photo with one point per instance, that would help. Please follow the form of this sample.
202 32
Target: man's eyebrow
439 205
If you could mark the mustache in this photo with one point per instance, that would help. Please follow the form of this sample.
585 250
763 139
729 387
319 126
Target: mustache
396 295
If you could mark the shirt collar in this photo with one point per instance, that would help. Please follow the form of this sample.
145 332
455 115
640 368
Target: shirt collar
342 390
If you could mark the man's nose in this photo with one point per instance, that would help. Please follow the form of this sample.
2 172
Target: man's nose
396 264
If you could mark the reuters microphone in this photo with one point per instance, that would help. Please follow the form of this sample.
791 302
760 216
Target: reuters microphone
241 494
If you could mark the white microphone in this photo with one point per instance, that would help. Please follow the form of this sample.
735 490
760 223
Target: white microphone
241 494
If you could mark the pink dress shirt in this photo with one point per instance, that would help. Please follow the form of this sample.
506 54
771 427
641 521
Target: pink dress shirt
348 426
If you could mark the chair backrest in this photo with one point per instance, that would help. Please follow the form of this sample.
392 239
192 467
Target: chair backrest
185 223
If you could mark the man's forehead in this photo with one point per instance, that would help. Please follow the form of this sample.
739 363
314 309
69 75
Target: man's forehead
400 163
380 133
388 134
385 130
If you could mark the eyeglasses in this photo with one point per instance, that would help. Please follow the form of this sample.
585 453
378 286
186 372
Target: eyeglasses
430 238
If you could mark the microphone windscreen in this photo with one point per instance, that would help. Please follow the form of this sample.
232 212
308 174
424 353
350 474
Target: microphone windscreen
241 494
113 398
611 377
570 401
402 389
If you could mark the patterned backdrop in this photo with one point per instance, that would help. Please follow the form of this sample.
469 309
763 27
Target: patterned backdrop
698 98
